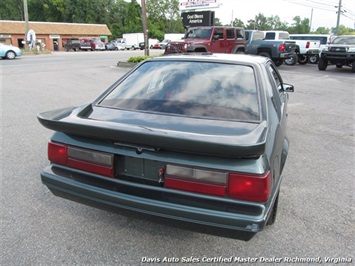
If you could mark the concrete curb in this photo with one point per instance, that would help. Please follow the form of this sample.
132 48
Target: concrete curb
126 64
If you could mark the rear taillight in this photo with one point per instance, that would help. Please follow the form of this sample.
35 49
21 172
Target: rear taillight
282 47
83 159
308 44
57 153
250 187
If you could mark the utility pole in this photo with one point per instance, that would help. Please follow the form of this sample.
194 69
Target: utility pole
145 28
310 23
338 20
25 9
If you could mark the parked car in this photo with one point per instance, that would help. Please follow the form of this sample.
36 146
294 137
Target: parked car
97 45
9 51
151 43
324 39
85 45
161 45
278 50
121 44
111 46
203 141
341 52
142 45
72 44
212 39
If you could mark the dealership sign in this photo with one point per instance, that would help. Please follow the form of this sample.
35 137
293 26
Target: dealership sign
198 4
203 18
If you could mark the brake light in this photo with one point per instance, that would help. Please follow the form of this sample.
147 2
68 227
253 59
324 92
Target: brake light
282 47
242 186
308 44
57 153
82 159
249 186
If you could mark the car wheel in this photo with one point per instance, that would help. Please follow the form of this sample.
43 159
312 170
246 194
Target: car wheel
313 59
273 214
339 65
292 60
264 54
322 64
10 55
278 62
353 66
302 59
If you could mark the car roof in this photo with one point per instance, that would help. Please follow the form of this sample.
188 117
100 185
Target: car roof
226 58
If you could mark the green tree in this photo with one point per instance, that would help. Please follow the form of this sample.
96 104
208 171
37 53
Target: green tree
238 23
11 10
261 22
275 23
163 17
133 18
299 26
217 22
322 30
251 25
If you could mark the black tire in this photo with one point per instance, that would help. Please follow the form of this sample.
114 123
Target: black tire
278 62
313 59
264 54
322 64
353 66
292 60
273 214
302 59
10 55
339 65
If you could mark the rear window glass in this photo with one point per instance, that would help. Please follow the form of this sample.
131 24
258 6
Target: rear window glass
196 89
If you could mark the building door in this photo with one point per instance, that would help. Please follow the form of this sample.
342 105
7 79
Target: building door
20 43
55 45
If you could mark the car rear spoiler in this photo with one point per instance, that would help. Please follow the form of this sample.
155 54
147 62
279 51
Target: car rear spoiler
73 121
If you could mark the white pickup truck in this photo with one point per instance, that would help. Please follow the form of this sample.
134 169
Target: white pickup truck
306 48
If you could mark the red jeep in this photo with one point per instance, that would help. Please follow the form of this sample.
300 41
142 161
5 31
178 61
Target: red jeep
214 39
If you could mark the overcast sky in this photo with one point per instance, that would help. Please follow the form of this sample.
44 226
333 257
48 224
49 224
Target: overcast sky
324 11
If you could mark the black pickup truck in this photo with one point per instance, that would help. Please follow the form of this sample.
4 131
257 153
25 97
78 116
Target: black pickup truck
341 52
277 50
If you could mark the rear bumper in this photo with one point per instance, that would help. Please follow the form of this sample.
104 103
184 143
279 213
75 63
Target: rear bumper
286 55
313 52
158 201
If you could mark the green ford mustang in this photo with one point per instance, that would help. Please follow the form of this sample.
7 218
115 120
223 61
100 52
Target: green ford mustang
193 138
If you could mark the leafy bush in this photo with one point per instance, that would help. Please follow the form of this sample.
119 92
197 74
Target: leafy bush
138 59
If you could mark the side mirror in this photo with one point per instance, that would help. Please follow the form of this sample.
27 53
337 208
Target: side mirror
215 37
288 87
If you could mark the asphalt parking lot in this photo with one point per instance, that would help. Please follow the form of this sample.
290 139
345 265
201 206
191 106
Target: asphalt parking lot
316 208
